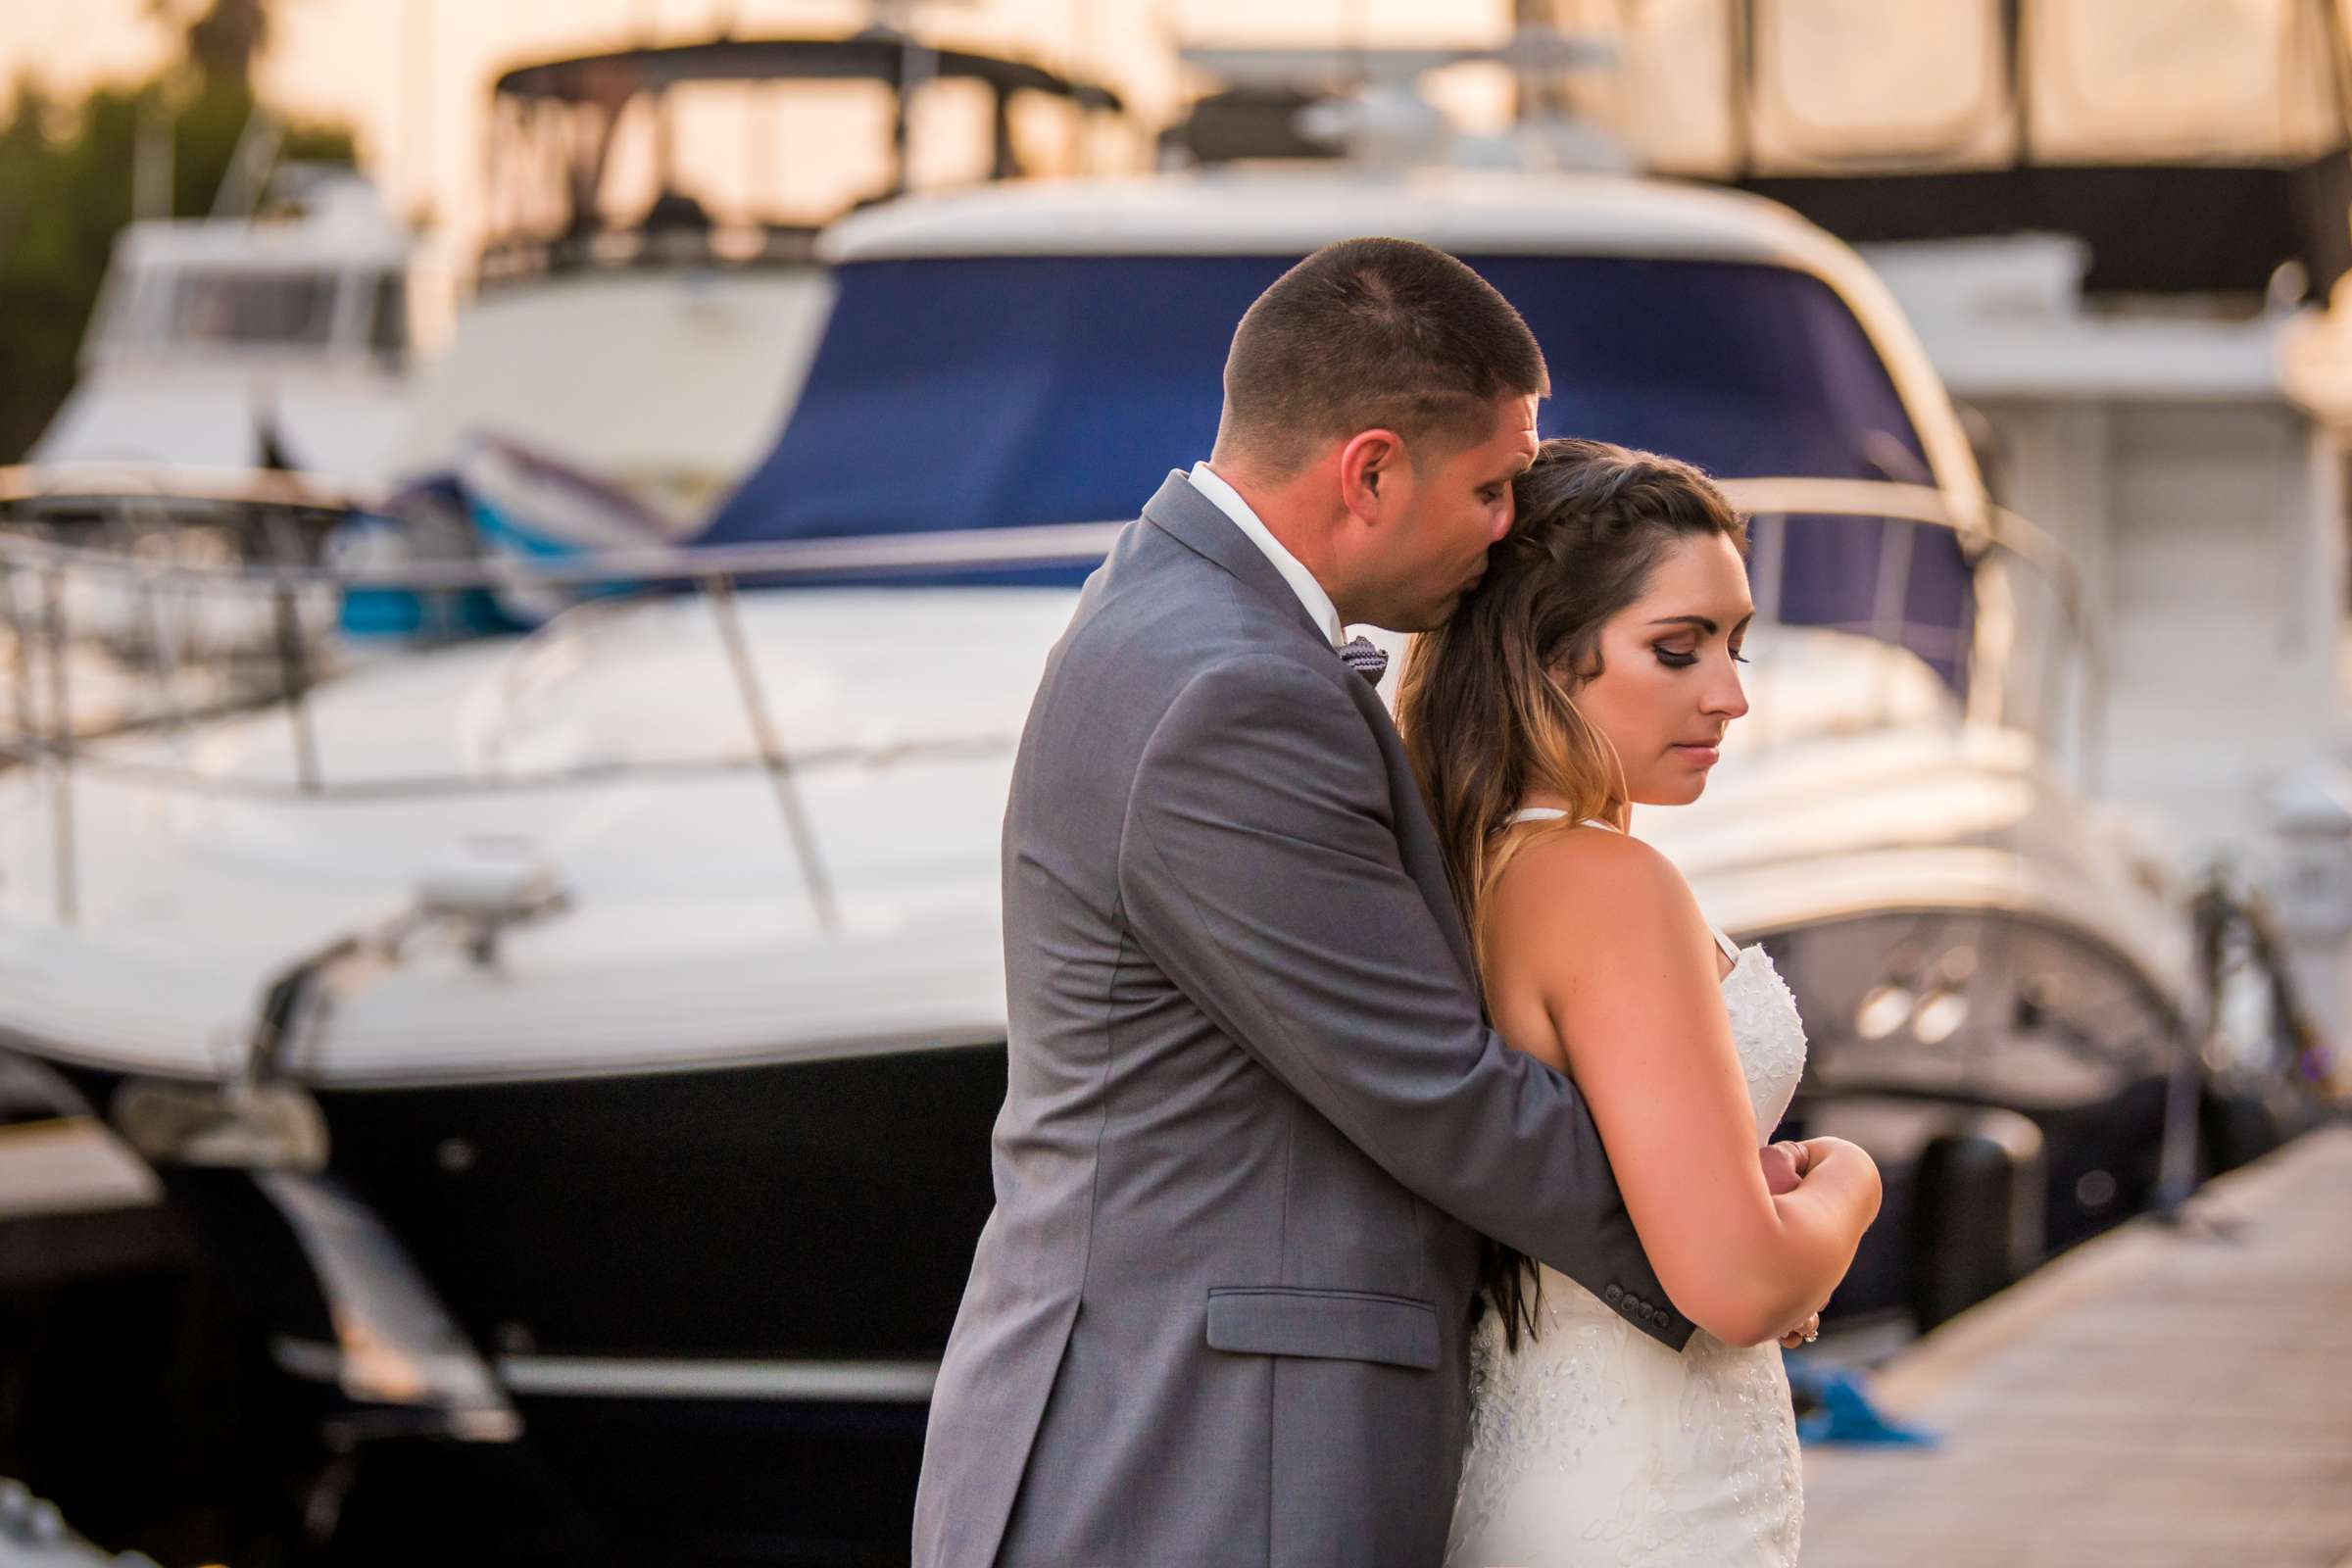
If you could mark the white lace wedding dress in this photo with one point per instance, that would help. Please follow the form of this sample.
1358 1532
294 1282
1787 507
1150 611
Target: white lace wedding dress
1593 1444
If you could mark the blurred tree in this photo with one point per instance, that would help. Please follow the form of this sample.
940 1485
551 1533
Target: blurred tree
66 190
224 42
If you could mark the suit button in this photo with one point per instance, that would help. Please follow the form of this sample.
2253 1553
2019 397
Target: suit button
1613 1294
1657 1317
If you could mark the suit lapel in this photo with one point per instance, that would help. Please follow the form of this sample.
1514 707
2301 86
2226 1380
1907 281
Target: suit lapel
1417 843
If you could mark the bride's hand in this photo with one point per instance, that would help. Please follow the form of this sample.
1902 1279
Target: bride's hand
1804 1333
1784 1165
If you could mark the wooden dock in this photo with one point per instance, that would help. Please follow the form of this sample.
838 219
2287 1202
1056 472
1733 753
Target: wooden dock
2161 1398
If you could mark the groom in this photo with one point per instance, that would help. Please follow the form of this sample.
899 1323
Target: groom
1254 1125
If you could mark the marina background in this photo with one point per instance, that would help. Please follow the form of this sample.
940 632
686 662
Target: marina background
500 995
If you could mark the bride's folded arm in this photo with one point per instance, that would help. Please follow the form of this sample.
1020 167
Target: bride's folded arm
1600 963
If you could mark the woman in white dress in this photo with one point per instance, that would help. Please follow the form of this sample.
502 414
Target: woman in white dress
1594 669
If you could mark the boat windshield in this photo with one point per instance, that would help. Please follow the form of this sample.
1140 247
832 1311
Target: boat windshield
182 308
986 392
240 308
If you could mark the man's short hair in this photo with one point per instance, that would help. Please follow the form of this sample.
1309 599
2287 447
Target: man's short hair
1372 334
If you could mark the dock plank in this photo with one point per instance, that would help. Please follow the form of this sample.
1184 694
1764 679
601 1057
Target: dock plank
2163 1396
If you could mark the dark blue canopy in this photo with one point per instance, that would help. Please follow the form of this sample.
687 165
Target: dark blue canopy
991 392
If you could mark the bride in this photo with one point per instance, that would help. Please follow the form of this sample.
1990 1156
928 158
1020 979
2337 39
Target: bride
1594 669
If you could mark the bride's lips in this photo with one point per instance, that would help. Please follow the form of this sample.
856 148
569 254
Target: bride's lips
1705 755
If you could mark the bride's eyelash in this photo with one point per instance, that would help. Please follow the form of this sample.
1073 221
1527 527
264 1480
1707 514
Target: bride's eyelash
1673 660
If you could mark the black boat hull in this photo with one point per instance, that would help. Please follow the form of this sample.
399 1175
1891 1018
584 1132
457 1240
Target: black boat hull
716 1295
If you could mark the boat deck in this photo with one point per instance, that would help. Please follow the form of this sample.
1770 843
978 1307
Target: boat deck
2159 1398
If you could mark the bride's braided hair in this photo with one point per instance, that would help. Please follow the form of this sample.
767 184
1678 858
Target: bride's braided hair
1485 703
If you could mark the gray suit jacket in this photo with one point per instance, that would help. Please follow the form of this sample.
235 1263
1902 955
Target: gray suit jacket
1255 1122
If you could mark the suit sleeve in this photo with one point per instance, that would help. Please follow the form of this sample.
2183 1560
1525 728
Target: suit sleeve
1258 865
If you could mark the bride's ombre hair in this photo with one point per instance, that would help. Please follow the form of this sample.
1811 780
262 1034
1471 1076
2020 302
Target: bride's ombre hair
1486 702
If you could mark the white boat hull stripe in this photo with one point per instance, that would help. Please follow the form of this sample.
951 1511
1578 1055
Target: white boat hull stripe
601 1377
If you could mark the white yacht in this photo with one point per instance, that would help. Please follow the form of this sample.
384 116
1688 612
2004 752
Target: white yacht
654 327
274 341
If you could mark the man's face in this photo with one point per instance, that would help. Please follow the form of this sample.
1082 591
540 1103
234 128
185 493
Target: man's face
1440 517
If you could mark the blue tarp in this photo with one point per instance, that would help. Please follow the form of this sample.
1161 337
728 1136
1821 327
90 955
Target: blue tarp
989 392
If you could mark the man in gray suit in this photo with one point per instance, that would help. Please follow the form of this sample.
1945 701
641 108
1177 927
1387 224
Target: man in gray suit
1255 1125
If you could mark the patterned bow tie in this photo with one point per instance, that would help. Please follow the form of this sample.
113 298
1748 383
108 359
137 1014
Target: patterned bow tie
1365 657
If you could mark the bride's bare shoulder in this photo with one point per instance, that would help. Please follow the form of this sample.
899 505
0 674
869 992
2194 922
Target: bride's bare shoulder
1584 895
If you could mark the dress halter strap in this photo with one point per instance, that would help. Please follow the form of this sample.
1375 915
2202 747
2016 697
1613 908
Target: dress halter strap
1552 813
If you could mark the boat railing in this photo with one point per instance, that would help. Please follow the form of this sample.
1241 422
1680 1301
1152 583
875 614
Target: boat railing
121 644
112 650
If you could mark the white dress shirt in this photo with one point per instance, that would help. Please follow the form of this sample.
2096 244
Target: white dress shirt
1319 607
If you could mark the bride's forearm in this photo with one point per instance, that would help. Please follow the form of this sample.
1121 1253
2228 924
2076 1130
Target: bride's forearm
1747 1286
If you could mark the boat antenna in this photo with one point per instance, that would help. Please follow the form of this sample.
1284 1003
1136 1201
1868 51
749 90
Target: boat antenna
151 161
917 65
240 192
416 105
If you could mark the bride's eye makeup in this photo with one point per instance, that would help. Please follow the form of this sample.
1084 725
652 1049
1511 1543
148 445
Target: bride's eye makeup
1677 658
1695 628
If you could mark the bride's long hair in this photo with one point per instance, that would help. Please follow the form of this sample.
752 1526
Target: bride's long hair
1486 702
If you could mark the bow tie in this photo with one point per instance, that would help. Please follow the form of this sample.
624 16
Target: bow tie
1365 657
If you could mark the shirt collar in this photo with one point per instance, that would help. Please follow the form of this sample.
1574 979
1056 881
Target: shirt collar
1319 607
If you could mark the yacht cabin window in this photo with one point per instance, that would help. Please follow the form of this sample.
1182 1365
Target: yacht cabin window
245 308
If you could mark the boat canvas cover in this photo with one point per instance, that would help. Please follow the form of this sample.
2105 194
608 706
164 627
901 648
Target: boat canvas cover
975 392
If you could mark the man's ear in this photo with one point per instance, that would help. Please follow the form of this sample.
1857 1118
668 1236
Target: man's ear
1369 457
